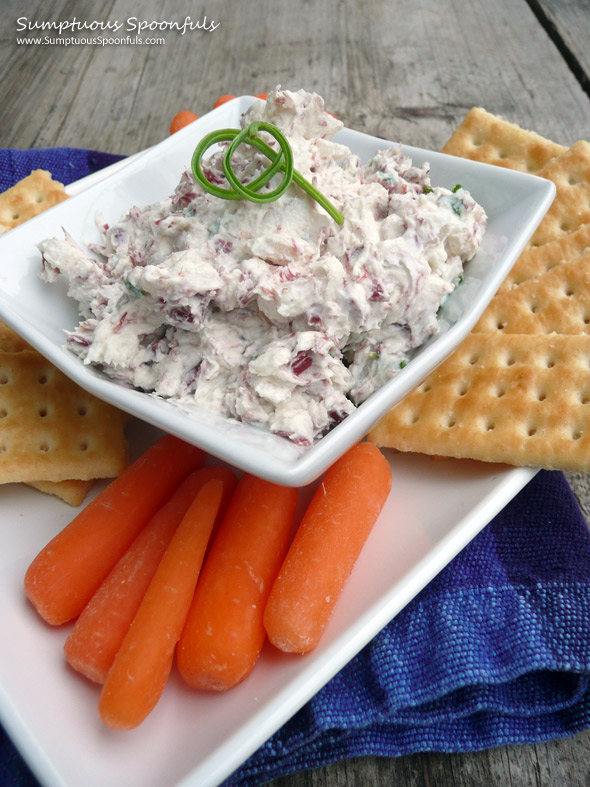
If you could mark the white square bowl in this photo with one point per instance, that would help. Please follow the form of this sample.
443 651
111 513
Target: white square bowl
514 202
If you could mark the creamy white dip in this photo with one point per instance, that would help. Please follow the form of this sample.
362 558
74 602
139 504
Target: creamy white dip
273 314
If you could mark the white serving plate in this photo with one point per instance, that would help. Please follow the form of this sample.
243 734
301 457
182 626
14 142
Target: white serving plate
197 739
515 203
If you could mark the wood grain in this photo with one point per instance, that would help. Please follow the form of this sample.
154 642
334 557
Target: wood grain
406 70
566 22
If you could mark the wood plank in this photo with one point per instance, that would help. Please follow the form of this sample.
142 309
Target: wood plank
566 22
409 75
40 82
562 762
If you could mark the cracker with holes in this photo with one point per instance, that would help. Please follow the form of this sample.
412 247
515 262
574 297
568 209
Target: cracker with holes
50 429
29 197
10 341
493 140
506 400
571 207
71 491
518 389
537 260
555 302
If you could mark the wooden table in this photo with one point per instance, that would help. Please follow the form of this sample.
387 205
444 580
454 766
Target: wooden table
404 69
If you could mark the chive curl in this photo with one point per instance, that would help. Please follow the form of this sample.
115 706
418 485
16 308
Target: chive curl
280 162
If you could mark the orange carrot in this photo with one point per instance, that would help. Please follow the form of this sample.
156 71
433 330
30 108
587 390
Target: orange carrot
223 634
65 574
325 548
263 96
182 119
141 667
222 100
99 631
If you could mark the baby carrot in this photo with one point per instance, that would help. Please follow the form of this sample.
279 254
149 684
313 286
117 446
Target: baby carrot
325 548
222 100
99 631
141 667
65 574
223 633
182 119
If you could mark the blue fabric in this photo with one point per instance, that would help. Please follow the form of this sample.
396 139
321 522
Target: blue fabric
65 164
495 650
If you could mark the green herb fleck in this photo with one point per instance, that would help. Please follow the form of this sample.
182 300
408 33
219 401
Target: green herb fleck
133 290
461 279
457 187
402 364
374 355
457 205
427 190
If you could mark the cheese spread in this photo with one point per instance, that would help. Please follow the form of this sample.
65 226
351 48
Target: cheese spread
273 314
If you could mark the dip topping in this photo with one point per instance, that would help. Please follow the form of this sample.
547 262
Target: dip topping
282 161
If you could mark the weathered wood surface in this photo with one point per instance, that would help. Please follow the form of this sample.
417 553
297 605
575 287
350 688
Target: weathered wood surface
566 21
406 70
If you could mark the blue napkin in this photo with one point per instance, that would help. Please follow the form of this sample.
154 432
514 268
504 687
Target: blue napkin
65 164
496 650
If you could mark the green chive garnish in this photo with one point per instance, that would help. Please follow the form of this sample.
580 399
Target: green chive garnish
282 161
427 190
457 187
